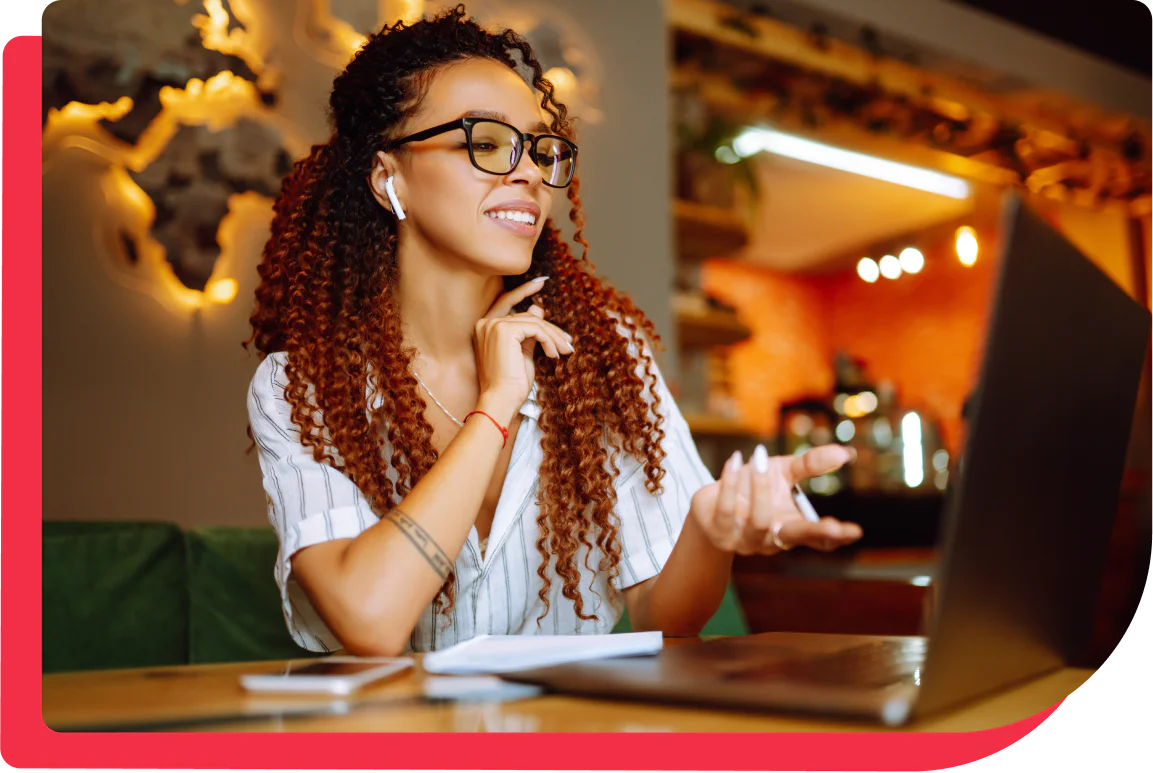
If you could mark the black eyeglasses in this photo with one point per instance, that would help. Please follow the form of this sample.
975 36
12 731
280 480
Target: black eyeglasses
496 147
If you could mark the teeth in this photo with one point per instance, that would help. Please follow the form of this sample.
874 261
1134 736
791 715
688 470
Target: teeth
507 214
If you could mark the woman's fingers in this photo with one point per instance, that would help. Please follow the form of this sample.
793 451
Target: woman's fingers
504 303
538 311
819 461
826 534
526 326
562 339
764 506
725 517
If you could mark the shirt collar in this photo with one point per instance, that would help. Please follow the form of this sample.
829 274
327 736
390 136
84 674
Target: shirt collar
531 407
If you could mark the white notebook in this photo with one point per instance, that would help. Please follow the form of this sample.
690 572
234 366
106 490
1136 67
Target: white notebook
488 654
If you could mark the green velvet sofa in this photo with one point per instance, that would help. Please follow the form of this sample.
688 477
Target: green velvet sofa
132 594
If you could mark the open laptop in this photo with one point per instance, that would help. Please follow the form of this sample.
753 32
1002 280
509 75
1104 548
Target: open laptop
1025 531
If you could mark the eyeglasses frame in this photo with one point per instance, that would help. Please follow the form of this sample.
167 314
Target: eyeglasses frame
468 122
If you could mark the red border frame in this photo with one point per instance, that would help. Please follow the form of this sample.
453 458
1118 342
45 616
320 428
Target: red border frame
27 742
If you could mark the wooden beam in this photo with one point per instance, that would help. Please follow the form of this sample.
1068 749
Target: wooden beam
720 95
782 42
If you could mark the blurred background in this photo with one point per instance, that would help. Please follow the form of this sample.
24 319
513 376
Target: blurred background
802 195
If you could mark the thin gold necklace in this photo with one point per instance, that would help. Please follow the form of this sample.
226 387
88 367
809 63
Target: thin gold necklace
455 420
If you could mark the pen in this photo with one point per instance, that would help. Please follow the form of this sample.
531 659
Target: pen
804 505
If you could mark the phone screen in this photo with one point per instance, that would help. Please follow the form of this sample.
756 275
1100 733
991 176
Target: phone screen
324 668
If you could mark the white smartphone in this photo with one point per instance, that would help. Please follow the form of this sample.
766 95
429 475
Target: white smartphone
336 675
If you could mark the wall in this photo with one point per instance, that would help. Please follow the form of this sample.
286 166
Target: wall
626 161
144 408
1103 235
923 332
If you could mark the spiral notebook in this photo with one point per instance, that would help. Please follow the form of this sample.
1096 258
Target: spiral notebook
490 654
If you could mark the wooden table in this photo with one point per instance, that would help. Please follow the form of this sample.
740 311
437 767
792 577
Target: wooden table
209 698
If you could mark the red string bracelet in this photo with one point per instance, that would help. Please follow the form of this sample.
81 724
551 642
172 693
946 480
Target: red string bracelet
503 430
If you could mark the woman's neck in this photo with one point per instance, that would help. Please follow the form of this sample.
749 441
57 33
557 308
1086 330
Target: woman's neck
439 306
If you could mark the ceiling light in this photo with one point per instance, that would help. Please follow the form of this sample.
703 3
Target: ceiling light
756 139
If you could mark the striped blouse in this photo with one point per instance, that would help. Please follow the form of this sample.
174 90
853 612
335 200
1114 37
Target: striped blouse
496 593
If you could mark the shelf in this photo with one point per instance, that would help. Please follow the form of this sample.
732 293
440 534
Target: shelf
719 94
718 426
705 231
709 328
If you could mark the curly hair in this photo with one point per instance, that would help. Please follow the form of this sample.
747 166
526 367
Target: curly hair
325 299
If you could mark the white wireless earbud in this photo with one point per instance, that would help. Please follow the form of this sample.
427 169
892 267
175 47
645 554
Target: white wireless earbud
391 191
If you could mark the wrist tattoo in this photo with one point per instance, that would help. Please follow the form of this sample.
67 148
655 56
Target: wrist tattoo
421 540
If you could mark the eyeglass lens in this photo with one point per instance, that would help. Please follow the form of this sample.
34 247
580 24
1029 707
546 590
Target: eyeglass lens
494 147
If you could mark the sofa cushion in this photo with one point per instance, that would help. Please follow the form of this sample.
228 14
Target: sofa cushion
114 595
235 612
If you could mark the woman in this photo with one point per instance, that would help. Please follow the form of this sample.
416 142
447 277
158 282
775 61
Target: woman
461 429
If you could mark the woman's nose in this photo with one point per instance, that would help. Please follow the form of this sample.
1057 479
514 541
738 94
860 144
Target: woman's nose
526 168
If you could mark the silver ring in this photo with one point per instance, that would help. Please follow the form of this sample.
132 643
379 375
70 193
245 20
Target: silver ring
775 533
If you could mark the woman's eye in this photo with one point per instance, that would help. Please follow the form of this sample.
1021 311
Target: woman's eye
485 146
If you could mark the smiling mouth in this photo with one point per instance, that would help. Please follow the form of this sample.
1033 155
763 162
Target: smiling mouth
515 215
516 226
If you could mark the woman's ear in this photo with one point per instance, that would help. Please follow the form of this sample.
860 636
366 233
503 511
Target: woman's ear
383 168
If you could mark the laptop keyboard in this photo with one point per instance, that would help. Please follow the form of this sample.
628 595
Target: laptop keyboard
872 665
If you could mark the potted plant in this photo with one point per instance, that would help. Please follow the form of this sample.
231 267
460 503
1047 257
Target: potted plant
701 174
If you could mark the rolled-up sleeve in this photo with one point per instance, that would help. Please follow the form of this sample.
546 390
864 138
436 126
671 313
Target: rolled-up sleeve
309 502
650 523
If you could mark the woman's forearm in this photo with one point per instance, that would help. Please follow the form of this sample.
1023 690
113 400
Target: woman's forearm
391 572
690 587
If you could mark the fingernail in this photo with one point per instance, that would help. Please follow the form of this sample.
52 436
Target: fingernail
761 459
852 458
734 461
540 279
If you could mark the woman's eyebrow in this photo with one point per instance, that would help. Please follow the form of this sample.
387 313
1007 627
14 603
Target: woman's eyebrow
496 115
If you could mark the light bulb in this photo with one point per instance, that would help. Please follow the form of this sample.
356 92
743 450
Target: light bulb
221 291
912 260
967 245
890 267
867 270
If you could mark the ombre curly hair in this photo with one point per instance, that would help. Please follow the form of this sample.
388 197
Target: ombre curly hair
325 298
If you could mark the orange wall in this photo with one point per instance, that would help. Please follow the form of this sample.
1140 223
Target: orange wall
923 332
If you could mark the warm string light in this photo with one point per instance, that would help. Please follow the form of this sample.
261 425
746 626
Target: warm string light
890 267
967 245
221 291
912 260
855 406
868 270
217 103
240 41
409 11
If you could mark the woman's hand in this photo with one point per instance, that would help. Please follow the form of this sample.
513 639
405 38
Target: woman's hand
752 503
504 346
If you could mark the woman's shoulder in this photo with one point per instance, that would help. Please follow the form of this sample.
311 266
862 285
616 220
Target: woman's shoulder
269 378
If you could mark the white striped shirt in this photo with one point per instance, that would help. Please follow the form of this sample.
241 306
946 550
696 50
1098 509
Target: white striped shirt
311 502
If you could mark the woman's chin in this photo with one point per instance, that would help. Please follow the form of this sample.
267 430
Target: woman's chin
504 266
